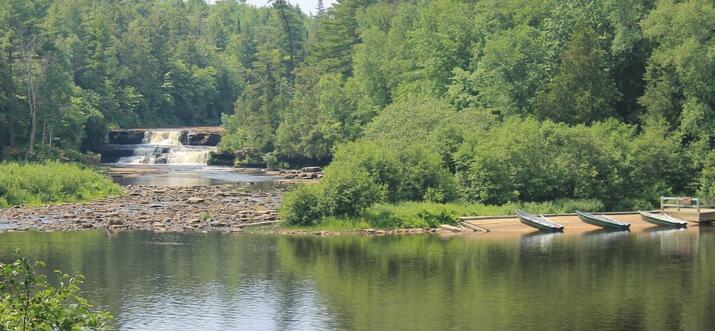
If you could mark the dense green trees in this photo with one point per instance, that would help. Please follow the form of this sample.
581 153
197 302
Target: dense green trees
567 61
71 69
582 91
616 94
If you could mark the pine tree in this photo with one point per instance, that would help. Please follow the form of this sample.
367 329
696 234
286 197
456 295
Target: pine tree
582 91
319 10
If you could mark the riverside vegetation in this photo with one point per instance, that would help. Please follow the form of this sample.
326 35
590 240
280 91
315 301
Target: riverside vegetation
608 103
29 302
51 182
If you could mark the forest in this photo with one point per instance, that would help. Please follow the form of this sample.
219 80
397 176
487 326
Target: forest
490 101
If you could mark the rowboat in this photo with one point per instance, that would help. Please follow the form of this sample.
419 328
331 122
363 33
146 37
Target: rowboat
602 221
540 222
662 219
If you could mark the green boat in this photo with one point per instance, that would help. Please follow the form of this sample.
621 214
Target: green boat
602 221
540 222
662 220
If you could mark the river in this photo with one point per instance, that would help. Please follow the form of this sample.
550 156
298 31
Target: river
631 281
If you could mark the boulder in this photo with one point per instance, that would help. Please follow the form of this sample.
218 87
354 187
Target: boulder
199 138
125 137
222 158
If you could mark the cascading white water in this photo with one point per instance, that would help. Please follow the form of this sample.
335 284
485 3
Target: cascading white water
165 147
163 137
188 157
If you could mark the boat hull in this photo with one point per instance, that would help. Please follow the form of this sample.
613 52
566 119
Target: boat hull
662 220
603 221
540 223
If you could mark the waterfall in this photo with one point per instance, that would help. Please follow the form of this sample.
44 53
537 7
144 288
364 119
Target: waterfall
163 137
188 157
165 147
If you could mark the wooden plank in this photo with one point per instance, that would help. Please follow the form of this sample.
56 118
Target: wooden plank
691 215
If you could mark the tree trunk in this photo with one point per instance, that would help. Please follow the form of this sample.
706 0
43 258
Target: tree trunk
31 93
11 97
11 133
44 132
289 32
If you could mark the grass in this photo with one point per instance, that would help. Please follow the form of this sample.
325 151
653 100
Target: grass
332 224
35 184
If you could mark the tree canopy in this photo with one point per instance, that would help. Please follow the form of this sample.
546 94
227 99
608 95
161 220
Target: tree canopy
291 88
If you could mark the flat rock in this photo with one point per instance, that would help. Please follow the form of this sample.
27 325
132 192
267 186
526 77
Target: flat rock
195 200
450 228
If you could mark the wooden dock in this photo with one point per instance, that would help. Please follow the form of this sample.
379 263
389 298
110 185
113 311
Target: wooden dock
688 208
691 215
509 225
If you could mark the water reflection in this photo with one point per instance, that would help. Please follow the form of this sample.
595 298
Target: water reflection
673 242
539 241
604 280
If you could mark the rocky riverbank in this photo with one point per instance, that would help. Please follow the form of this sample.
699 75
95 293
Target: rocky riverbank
223 208
217 208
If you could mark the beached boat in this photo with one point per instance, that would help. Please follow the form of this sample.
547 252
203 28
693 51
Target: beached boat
602 221
662 219
540 222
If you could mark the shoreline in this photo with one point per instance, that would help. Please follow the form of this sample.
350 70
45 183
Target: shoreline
232 208
225 208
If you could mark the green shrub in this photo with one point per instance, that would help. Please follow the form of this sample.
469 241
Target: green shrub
412 215
29 302
408 172
349 191
302 206
528 160
51 182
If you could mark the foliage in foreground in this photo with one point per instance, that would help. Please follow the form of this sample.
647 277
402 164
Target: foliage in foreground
29 302
51 182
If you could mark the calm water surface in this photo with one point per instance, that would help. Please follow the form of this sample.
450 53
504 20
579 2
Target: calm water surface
189 175
662 280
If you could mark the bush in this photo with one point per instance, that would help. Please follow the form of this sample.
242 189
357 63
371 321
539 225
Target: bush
408 172
412 215
302 206
349 191
527 160
366 172
51 182
28 302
